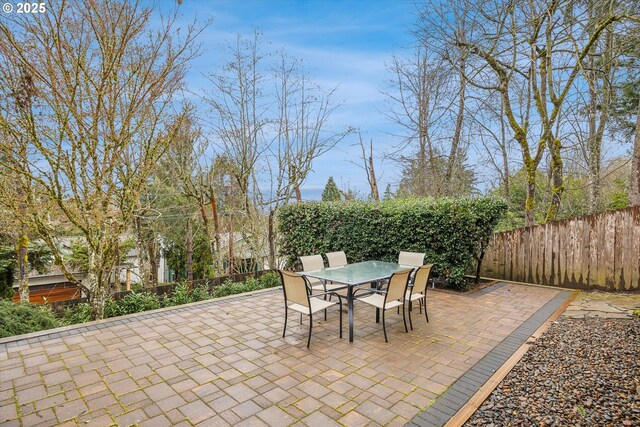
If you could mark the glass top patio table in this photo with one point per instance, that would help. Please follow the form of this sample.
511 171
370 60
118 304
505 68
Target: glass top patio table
356 274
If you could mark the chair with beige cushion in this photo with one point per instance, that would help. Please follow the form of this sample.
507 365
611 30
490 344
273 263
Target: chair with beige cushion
315 262
391 296
418 292
336 259
298 297
411 259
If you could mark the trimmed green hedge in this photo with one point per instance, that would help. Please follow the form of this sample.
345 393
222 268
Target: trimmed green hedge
452 232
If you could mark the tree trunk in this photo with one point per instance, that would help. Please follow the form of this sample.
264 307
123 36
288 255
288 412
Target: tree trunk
455 142
23 267
231 237
272 240
634 191
505 157
207 229
141 247
216 230
479 259
231 250
557 180
189 253
117 269
601 107
97 291
529 203
373 181
154 261
593 148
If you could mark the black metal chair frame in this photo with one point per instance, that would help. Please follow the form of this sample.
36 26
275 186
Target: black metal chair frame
423 299
381 290
310 314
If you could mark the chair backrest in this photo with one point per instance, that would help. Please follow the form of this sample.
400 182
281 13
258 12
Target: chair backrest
398 285
336 259
295 288
414 259
312 262
422 278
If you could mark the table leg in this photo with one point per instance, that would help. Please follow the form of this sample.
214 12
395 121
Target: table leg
350 309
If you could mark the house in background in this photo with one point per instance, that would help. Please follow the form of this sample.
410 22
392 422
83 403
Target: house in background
246 258
50 287
54 286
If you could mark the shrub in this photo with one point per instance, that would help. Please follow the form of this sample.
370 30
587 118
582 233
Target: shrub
16 319
200 293
134 302
452 232
270 279
456 279
231 288
180 295
79 314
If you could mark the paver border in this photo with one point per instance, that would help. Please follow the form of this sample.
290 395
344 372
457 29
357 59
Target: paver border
454 399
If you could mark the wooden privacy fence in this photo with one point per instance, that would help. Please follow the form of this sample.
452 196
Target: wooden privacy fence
599 251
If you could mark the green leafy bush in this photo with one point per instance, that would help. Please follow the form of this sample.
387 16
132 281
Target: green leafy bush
200 293
134 302
180 295
16 319
231 288
79 314
270 279
452 232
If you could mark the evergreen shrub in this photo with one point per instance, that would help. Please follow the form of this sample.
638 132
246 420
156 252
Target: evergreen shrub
451 231
17 319
134 302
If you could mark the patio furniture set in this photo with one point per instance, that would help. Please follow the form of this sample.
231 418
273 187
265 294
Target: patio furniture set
384 285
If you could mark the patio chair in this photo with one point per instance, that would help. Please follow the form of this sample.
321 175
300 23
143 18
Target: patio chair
336 259
298 297
390 297
418 292
315 262
412 259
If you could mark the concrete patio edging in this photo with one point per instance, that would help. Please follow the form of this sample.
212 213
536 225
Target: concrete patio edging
454 406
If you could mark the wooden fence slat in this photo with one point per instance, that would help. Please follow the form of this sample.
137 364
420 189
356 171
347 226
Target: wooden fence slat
635 251
600 251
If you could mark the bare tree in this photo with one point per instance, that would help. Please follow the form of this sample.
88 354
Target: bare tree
518 48
241 111
419 102
272 121
369 168
490 126
97 121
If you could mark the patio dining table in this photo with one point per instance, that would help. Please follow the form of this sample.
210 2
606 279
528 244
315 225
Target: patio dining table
352 275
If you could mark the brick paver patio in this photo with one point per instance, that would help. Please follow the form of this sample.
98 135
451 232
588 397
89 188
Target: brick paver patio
224 362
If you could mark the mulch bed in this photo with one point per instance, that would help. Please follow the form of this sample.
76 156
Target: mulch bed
581 372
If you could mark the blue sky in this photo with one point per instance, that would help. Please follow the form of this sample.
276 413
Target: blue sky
343 44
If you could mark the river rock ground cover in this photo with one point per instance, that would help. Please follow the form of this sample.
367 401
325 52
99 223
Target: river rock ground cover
581 372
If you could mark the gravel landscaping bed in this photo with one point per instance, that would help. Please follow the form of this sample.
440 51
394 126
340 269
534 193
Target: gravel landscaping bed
581 372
